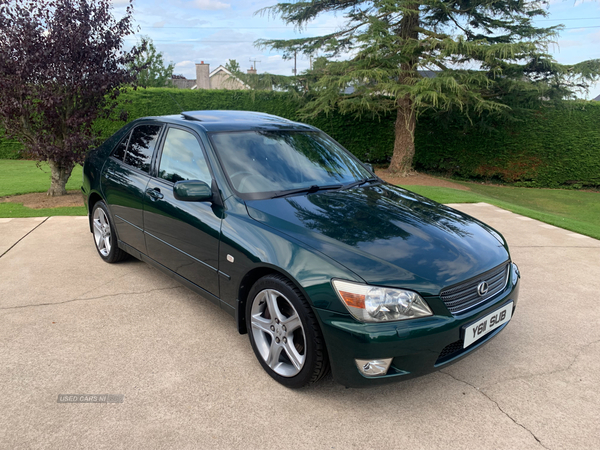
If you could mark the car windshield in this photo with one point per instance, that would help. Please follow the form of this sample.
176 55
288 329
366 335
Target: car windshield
262 164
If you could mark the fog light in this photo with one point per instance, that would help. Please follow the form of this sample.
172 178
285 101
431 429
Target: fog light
373 367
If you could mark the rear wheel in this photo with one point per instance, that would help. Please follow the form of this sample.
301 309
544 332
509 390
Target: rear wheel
104 235
284 333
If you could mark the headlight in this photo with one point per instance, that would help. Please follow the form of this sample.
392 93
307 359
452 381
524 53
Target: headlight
380 304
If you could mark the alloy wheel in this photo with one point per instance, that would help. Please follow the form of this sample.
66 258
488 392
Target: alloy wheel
278 333
102 234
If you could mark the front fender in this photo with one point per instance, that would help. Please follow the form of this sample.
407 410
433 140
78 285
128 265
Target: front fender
257 248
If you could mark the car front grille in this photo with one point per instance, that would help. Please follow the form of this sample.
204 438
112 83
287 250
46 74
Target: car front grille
465 295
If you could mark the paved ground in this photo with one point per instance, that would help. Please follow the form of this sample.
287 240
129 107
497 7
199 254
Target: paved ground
71 324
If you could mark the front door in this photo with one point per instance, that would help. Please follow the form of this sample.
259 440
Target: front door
182 235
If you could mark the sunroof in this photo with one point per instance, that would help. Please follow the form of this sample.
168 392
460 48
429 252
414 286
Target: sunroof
230 116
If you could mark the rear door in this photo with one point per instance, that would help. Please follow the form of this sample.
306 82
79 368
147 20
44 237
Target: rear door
182 235
124 179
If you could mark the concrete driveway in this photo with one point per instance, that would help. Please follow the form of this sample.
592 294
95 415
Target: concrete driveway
71 324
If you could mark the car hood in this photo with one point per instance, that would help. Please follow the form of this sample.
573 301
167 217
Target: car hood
387 235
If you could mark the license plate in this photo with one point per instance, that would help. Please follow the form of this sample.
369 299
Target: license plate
489 323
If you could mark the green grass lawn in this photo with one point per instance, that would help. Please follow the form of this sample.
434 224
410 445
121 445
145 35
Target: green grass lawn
22 177
578 211
18 210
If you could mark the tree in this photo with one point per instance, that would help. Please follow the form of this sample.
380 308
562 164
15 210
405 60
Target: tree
406 56
262 81
155 73
61 66
233 66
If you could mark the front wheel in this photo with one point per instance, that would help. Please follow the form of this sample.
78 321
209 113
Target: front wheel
284 333
104 234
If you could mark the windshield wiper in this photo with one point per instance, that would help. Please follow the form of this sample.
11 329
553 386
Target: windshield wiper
308 190
359 183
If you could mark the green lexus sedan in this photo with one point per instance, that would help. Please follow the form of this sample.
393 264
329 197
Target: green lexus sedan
323 264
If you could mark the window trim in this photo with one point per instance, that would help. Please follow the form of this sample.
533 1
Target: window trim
112 152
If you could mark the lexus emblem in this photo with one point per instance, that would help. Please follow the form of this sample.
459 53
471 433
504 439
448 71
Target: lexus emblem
482 288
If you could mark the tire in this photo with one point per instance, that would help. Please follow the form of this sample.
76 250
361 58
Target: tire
284 333
105 238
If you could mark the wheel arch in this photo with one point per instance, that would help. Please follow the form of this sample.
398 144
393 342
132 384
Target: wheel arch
248 280
92 200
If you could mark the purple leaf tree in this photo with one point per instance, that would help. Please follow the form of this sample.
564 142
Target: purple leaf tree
62 65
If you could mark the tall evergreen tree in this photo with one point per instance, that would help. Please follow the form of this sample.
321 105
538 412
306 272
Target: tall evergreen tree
405 56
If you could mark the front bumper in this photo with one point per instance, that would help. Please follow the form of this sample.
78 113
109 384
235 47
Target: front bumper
418 346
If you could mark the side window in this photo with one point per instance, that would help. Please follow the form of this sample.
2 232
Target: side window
119 150
141 146
182 158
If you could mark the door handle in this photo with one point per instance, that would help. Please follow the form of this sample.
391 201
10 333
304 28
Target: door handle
154 194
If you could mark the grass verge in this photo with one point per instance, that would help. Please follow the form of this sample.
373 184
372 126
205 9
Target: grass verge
578 211
18 210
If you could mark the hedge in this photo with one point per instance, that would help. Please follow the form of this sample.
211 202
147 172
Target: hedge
551 148
558 147
370 139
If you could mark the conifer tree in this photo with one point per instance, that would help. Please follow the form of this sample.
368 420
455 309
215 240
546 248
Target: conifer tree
405 56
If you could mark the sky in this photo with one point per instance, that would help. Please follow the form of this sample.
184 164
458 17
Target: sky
214 31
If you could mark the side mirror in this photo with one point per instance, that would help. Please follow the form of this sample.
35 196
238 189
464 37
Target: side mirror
192 191
369 166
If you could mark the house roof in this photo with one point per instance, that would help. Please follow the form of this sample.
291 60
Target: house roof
597 98
223 69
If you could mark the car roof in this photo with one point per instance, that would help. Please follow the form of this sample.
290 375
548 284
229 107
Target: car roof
219 120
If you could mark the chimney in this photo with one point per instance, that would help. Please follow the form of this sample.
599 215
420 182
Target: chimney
251 70
202 73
